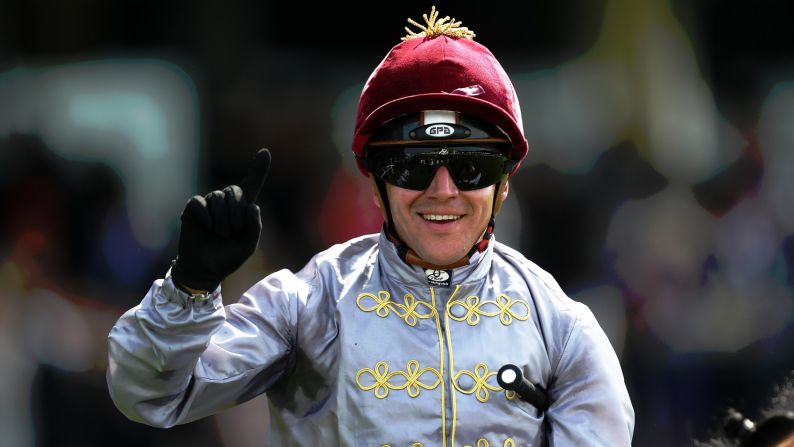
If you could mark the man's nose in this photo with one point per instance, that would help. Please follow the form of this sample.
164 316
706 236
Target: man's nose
442 185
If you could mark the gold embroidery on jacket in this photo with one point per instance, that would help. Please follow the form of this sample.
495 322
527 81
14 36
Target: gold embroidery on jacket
409 380
474 307
481 388
408 311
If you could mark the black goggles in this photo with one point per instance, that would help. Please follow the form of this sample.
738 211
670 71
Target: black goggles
413 167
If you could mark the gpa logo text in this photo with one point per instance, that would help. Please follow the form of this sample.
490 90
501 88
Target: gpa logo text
439 130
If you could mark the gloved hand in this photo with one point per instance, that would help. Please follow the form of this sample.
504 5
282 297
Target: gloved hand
220 231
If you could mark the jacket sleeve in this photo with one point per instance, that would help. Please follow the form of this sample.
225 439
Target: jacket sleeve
173 359
590 403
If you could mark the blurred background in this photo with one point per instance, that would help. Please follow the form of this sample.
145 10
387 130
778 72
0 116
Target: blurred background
659 188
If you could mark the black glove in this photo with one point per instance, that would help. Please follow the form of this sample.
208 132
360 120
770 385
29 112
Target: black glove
220 230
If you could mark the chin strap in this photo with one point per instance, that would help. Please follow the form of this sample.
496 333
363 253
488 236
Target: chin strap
480 247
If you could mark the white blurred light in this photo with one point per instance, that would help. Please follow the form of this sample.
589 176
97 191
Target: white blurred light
684 132
136 115
574 113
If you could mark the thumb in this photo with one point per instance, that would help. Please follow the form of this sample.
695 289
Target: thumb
253 181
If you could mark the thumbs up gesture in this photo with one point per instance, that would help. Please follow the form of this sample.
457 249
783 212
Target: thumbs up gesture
220 230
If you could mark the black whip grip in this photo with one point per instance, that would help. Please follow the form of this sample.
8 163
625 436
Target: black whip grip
511 378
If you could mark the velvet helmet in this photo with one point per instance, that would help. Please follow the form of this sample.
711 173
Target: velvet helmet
440 68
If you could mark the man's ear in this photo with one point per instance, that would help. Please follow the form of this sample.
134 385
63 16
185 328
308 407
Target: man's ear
375 194
503 193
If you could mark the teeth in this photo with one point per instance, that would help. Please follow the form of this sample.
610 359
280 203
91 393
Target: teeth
440 217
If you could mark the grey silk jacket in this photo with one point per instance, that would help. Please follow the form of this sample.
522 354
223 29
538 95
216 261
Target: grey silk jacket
358 349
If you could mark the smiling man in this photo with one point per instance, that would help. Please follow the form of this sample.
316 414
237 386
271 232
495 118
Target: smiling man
430 333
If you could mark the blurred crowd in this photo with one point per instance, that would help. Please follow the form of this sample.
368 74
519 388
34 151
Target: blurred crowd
659 188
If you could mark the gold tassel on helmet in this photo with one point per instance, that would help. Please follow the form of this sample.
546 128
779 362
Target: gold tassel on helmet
444 27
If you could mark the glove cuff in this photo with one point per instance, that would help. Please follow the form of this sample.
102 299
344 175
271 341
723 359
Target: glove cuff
183 279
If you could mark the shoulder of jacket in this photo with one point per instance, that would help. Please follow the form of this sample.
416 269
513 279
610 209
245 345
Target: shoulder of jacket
341 258
527 267
347 251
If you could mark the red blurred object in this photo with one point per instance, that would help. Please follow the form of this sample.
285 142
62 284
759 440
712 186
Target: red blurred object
347 210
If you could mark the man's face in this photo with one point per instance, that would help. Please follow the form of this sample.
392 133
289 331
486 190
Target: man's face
441 223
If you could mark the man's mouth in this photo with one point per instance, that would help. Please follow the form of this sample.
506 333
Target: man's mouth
441 218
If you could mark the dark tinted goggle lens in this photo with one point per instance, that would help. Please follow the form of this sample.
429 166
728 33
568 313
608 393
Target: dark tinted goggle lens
471 167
